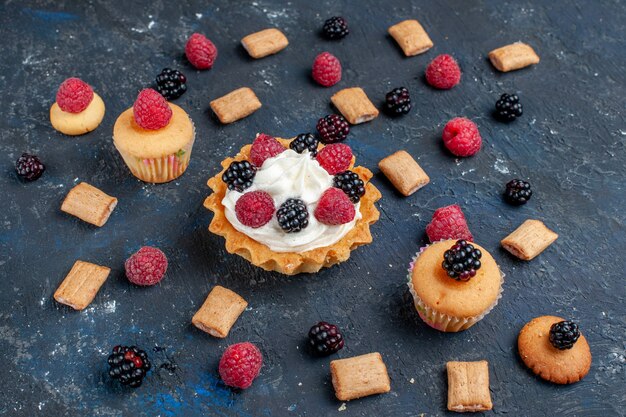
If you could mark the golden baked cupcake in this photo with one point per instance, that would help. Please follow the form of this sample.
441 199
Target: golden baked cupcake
454 284
77 109
293 206
155 138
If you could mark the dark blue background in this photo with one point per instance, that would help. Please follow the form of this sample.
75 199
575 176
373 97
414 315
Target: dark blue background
569 143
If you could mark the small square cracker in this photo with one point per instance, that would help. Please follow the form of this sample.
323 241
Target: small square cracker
404 172
220 311
359 376
468 386
411 37
514 56
354 105
235 105
264 43
81 284
89 204
530 239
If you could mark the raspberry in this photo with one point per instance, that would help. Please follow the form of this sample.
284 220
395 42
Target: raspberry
29 167
334 208
335 28
74 95
263 147
461 137
240 364
448 223
326 69
147 266
151 110
443 72
335 158
325 338
200 51
333 128
129 364
255 209
462 261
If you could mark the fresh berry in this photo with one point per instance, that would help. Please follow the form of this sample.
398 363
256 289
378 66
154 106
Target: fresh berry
240 365
305 142
239 175
443 72
448 223
151 110
508 107
29 167
334 208
462 260
200 51
74 95
326 69
333 128
564 334
147 266
129 364
335 28
398 101
335 158
517 192
461 137
255 209
263 147
293 215
351 184
171 83
325 338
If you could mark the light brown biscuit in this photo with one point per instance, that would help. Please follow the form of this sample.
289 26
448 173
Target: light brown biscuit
81 284
89 204
554 365
354 105
235 105
530 239
264 43
512 57
359 376
74 124
220 311
468 386
411 37
404 172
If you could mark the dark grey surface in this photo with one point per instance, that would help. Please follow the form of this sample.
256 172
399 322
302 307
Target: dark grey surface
569 144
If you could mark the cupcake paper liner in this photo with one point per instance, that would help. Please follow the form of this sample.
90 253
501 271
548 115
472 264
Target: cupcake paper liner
440 321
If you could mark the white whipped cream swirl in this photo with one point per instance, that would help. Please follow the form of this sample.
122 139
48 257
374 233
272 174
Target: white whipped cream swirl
291 175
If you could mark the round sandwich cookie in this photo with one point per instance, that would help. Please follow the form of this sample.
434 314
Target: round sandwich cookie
554 349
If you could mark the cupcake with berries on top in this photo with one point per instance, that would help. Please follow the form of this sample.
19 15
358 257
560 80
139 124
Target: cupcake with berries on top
155 138
77 109
293 205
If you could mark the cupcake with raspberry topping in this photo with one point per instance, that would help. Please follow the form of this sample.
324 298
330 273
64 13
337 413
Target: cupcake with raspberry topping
155 138
293 206
77 109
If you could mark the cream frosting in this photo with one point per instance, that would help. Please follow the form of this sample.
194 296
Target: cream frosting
291 175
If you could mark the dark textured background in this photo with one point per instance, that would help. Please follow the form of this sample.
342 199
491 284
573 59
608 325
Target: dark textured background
569 144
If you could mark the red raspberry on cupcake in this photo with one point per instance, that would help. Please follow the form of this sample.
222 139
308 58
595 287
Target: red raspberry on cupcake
146 267
240 365
200 51
326 69
151 110
461 137
443 72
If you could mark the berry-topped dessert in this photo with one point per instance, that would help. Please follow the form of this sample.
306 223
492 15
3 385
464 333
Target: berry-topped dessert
454 284
293 206
154 137
77 109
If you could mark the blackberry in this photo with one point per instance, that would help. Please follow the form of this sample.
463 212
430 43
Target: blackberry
303 142
333 128
508 107
325 338
29 167
350 183
293 215
398 101
517 192
335 28
129 364
171 83
462 260
564 334
239 175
